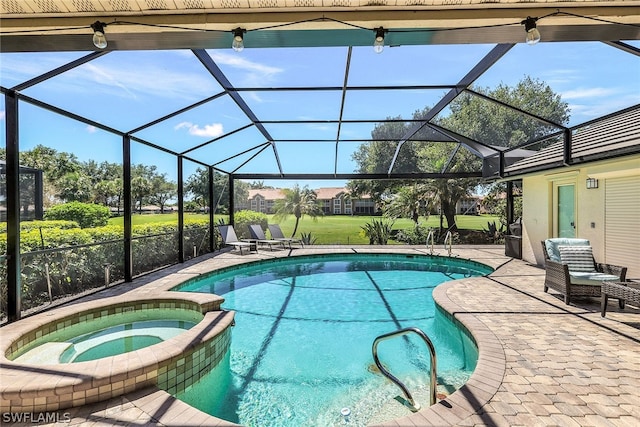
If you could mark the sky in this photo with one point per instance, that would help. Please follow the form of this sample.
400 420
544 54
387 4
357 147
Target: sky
125 90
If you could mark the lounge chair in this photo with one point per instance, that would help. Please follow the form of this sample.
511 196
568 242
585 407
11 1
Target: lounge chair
229 238
276 233
257 235
571 269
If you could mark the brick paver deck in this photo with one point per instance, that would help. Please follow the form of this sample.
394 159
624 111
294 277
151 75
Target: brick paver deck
542 362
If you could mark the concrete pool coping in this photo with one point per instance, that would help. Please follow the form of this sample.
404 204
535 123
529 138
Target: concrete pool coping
540 362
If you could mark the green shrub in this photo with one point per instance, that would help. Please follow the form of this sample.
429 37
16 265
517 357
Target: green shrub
416 235
308 239
85 214
242 220
378 231
78 263
30 225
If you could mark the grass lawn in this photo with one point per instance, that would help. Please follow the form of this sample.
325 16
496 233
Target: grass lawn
338 229
153 218
342 229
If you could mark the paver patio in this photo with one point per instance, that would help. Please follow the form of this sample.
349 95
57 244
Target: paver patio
560 365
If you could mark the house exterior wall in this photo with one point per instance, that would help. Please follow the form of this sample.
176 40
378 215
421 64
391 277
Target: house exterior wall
539 218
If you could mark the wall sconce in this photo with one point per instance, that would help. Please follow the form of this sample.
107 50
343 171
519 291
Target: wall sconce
592 183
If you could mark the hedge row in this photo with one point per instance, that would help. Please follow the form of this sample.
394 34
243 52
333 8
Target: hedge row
242 220
70 260
36 225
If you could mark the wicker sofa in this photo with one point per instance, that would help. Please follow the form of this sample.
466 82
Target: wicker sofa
574 278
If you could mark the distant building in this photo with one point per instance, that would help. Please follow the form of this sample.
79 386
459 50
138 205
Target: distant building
263 200
469 205
333 201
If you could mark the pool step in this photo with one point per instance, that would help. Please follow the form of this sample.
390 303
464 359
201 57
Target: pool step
45 354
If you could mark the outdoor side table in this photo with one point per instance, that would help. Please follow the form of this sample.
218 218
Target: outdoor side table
623 291
253 243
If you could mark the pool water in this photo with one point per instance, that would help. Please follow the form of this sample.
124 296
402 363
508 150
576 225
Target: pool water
122 339
108 336
301 347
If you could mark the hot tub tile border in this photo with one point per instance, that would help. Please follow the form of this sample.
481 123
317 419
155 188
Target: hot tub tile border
94 381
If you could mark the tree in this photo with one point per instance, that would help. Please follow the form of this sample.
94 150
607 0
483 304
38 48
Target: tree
54 166
197 185
106 182
472 117
258 185
376 157
493 124
141 183
74 187
410 202
162 191
297 202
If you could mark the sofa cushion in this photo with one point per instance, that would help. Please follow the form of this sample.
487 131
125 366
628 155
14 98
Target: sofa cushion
578 258
552 245
593 279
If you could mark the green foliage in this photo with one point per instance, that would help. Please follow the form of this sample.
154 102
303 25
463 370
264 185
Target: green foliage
378 231
493 232
495 202
197 186
31 225
416 235
492 123
85 214
75 258
192 206
308 239
471 116
162 191
242 220
410 202
297 202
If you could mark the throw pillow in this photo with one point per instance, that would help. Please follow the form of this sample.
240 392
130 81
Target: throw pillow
578 258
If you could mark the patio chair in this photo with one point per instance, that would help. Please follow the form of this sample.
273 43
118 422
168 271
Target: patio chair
229 237
257 235
571 269
276 233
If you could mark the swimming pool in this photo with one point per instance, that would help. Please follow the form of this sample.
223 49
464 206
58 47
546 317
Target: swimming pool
301 348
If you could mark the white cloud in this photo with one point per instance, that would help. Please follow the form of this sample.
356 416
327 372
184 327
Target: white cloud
236 61
255 96
594 92
210 131
91 129
2 113
105 76
145 79
256 74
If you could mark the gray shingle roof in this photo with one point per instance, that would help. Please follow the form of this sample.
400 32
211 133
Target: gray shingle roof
612 136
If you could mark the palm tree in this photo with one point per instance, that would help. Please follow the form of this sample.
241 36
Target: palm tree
410 202
297 202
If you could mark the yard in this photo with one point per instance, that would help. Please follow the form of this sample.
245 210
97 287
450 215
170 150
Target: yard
334 229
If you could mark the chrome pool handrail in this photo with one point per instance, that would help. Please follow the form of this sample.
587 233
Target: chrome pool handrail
450 237
431 236
433 383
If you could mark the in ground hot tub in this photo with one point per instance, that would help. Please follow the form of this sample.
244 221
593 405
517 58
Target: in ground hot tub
109 335
114 346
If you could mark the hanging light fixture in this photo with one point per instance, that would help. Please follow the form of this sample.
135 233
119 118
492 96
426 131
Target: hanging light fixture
99 39
238 39
533 35
378 43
